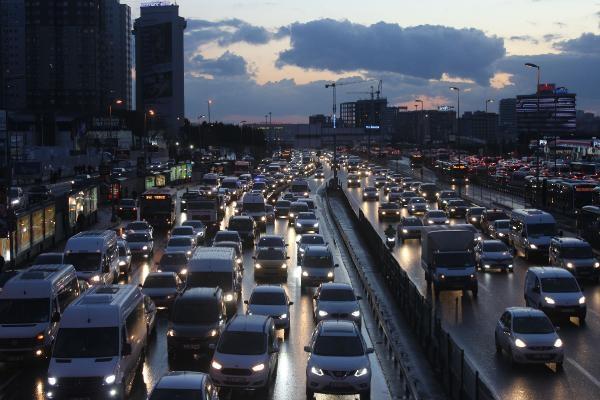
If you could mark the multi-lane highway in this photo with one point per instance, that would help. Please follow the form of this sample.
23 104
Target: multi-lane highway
30 382
472 321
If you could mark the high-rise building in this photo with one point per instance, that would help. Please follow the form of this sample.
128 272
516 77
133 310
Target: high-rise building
12 55
159 64
320 119
479 125
424 127
553 116
507 118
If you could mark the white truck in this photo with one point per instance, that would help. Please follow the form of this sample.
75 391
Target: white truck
448 259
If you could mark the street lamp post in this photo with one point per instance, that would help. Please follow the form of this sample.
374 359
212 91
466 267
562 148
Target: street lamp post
147 113
457 90
537 139
488 101
419 128
117 102
209 102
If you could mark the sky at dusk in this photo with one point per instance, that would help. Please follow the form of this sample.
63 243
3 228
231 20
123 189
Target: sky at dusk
254 57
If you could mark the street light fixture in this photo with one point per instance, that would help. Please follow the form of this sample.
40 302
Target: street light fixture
486 104
537 150
209 102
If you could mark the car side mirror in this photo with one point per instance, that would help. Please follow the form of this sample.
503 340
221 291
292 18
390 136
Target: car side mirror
287 258
254 257
274 349
506 329
212 346
370 350
291 303
358 297
245 301
55 317
126 349
307 349
315 297
557 328
336 266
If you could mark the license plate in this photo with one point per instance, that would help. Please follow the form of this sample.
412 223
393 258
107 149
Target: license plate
339 385
191 346
236 380
568 310
542 356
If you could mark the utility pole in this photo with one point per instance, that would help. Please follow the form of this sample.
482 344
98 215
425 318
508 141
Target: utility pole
537 152
209 102
457 90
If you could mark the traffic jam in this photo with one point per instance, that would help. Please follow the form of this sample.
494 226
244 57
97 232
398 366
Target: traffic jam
536 276
195 295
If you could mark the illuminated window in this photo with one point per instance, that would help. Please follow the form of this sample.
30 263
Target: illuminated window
37 226
23 233
49 222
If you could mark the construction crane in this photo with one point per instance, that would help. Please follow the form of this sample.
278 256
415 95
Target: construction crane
334 85
373 92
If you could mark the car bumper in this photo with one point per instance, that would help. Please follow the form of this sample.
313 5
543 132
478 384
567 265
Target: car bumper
306 229
565 311
140 253
456 283
390 216
528 356
586 272
25 354
314 281
341 386
193 348
248 382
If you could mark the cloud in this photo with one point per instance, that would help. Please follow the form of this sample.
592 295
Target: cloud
551 37
225 32
524 38
588 43
560 24
424 51
227 65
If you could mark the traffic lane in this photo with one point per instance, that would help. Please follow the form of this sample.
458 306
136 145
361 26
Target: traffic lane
469 317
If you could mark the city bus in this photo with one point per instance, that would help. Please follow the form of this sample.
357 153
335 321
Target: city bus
157 207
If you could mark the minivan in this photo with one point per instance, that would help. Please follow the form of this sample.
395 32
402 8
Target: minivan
100 345
95 256
576 256
531 231
555 291
31 304
216 266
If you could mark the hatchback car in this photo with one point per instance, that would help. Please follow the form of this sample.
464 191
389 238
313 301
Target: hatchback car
406 196
272 301
270 263
417 205
227 236
127 209
181 385
174 261
282 208
245 227
162 288
317 266
199 230
336 301
124 257
296 208
370 193
353 181
528 336
473 215
499 229
183 231
140 244
435 217
395 197
409 228
339 361
181 243
444 196
575 255
493 254
271 241
138 227
246 354
456 208
306 222
306 240
389 211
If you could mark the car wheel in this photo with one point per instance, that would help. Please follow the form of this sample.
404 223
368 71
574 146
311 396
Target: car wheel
310 395
366 395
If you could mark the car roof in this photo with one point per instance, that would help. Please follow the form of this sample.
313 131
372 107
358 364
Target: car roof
248 323
336 286
272 237
525 312
337 328
571 242
268 289
491 241
199 292
317 249
550 272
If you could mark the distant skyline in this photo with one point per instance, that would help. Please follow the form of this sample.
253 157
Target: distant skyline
252 57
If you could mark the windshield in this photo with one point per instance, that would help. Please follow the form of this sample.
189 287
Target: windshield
128 202
270 242
494 215
337 295
430 188
299 188
417 200
577 252
194 224
45 259
268 298
195 312
210 181
177 394
84 261
541 229
202 205
307 216
389 206
476 211
317 261
300 207
312 240
259 185
86 343
338 346
502 224
454 260
155 205
457 203
495 247
24 311
412 222
448 195
253 207
224 236
230 185
173 259
282 204
242 343
240 225
122 250
270 254
159 281
138 237
179 242
408 194
532 325
224 280
560 285
137 226
188 231
436 214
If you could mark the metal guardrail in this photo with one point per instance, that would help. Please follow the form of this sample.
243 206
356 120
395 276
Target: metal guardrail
459 377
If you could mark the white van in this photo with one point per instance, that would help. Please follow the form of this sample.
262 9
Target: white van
100 345
253 205
531 231
300 188
95 256
31 304
216 266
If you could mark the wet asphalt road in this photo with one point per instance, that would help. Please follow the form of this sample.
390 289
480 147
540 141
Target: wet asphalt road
28 382
472 323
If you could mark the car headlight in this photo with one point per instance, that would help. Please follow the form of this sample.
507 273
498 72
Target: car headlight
258 367
500 234
316 225
95 278
145 248
301 250
213 333
216 365
283 316
110 379
452 209
430 221
298 224
323 313
383 213
520 343
257 266
238 260
189 252
330 274
356 313
283 266
404 230
52 381
304 273
263 218
558 343
122 263
473 219
317 371
361 372
183 271
582 300
291 215
487 266
532 246
228 297
569 265
597 265
549 300
171 333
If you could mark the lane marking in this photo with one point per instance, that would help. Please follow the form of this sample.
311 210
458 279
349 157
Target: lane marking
584 371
